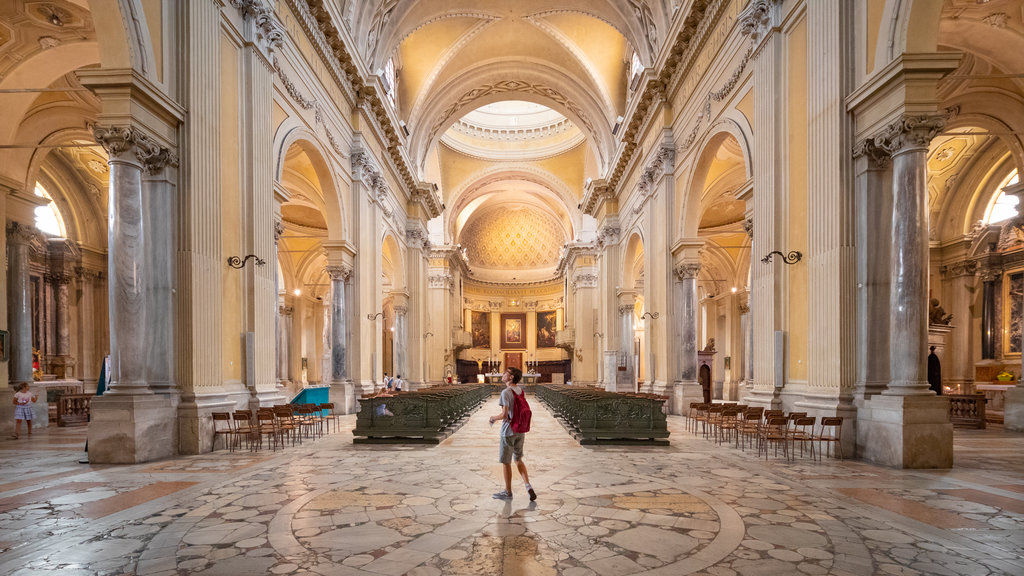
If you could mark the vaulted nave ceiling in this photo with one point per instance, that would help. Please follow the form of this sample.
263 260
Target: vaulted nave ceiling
510 106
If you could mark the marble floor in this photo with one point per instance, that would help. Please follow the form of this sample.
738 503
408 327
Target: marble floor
331 507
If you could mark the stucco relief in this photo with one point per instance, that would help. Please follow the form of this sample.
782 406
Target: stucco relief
518 239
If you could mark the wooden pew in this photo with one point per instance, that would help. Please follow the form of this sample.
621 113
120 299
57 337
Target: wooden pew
596 416
428 415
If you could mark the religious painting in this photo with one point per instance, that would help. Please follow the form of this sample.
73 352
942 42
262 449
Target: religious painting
481 329
1014 300
513 331
547 325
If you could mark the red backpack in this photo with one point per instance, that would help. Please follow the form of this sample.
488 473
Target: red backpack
521 413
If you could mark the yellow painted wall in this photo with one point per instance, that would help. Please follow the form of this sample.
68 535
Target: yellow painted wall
797 228
231 225
155 23
746 106
422 50
604 48
875 10
280 115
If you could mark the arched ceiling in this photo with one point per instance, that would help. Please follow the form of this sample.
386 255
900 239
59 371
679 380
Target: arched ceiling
725 174
513 239
453 57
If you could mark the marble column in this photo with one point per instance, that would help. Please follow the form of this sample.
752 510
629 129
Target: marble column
129 422
401 340
625 377
1013 408
284 344
686 387
159 225
989 325
19 302
908 291
907 425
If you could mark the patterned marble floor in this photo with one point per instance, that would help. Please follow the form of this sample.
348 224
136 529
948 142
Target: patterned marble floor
331 507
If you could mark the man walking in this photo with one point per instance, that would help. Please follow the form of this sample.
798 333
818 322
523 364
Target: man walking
511 447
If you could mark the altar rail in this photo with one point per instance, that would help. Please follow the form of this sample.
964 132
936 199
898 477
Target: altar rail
73 409
967 410
428 415
595 416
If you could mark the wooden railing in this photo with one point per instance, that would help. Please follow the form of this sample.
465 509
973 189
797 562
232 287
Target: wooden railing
426 415
967 410
595 416
73 409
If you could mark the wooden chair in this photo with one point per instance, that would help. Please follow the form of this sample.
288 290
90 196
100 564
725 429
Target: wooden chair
714 418
833 435
691 414
802 431
330 416
266 425
226 429
750 425
700 415
244 428
287 425
730 420
775 429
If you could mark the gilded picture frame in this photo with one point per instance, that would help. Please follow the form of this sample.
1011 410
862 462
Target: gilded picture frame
513 331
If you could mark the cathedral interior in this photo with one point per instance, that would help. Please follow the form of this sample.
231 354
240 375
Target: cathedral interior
222 206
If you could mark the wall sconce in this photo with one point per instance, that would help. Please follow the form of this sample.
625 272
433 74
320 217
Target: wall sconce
792 258
239 263
651 315
374 316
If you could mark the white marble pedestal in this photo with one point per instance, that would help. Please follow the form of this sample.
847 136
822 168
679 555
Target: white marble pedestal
683 394
127 429
343 396
906 431
1013 409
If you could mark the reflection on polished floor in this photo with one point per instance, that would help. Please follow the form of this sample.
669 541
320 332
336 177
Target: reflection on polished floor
331 507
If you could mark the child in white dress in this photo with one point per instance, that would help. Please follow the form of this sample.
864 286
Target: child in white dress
23 400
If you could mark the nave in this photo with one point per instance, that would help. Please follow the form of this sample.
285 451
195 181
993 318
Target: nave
332 507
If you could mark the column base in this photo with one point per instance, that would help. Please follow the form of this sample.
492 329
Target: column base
262 398
129 429
7 412
1013 409
906 431
625 381
343 395
684 393
195 420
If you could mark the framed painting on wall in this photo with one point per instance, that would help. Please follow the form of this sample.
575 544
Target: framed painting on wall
547 325
481 329
513 331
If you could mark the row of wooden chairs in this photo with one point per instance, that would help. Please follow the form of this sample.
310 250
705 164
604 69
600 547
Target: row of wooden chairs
278 424
767 428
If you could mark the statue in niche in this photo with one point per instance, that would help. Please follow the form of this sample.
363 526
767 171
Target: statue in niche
936 314
710 347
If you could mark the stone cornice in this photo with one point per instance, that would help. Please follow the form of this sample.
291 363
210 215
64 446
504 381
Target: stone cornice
570 251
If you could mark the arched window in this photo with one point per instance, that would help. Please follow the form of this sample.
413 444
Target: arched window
48 218
1003 206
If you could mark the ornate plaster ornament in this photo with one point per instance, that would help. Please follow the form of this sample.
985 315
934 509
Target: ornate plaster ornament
120 140
878 157
687 270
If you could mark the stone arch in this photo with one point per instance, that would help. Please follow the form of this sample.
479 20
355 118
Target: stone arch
550 188
393 261
123 35
690 196
632 254
294 134
493 82
907 26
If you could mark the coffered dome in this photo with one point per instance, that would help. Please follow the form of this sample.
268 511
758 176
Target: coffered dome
513 240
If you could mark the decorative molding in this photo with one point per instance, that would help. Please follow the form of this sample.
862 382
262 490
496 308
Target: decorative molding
584 280
757 19
278 230
716 96
18 233
914 131
626 309
878 158
285 310
120 140
958 269
268 32
660 165
748 227
445 280
991 274
308 104
688 270
364 170
996 19
339 272
608 235
744 308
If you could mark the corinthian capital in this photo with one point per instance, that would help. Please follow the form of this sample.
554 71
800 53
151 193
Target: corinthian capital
339 272
878 157
757 18
688 270
912 131
119 141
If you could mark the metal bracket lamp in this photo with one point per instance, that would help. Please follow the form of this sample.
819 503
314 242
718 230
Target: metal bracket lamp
791 258
651 315
374 316
239 263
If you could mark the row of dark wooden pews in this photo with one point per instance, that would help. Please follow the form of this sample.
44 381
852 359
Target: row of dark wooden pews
595 416
428 415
